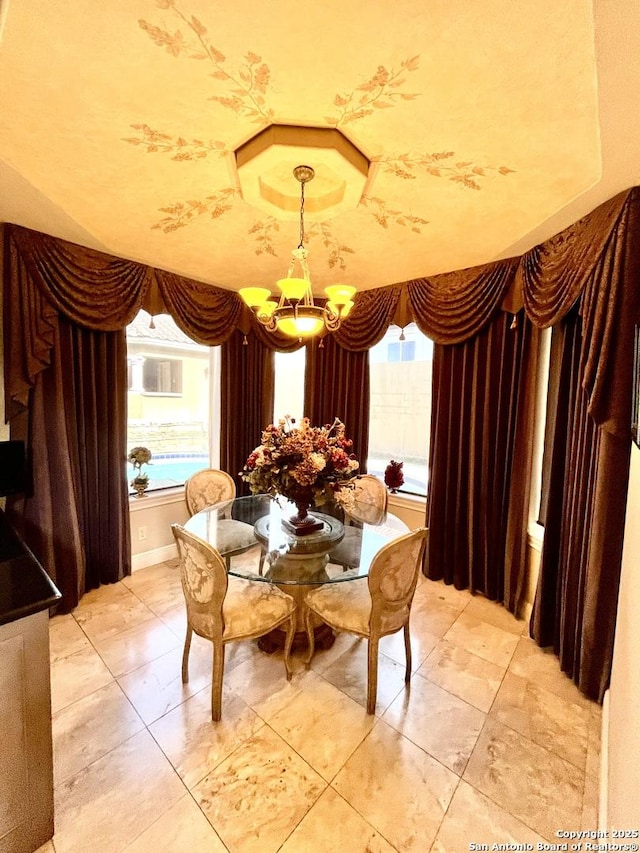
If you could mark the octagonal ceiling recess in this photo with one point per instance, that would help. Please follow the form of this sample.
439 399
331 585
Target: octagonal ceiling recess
265 165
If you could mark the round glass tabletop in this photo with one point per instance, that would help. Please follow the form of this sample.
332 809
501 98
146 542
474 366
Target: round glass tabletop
249 534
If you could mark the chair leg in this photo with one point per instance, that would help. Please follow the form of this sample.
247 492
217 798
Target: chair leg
372 674
185 655
407 652
291 629
216 681
310 637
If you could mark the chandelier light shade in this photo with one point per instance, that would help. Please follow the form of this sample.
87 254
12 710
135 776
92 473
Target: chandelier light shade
295 312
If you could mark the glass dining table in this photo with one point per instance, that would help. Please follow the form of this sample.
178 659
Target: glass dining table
249 534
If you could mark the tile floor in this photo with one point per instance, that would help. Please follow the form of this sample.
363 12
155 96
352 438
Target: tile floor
489 744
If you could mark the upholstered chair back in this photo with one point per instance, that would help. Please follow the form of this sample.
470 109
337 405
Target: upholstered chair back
393 576
207 488
369 500
204 583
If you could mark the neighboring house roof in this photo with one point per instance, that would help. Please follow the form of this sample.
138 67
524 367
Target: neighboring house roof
163 329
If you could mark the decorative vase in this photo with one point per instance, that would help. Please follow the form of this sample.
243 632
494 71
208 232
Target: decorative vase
302 523
140 486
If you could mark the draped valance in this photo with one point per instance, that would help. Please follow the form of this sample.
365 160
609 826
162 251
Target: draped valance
46 275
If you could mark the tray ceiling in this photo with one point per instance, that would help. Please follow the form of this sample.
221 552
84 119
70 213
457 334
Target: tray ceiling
487 127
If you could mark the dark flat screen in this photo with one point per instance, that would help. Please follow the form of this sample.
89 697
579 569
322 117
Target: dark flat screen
13 469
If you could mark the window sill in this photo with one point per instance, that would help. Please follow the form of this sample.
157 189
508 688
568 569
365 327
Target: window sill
159 498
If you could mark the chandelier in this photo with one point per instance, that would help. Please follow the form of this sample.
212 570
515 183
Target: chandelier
295 313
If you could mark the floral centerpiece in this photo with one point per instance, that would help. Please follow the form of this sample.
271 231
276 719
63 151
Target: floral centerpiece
138 457
308 465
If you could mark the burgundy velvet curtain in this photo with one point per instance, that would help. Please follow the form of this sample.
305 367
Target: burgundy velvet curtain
247 392
76 520
336 385
476 472
596 269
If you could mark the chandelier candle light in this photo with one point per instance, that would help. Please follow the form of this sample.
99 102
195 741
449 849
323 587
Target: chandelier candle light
295 313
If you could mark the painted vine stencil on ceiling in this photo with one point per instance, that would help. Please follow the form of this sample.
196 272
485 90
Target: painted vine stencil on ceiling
245 90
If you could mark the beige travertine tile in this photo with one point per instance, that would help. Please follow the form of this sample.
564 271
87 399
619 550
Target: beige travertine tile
76 676
156 687
66 637
543 667
494 613
465 675
176 620
443 725
473 819
159 587
549 720
333 825
322 724
533 784
262 682
323 659
193 743
349 674
136 646
108 804
432 616
443 592
422 642
402 792
89 728
259 794
100 619
102 596
481 639
182 828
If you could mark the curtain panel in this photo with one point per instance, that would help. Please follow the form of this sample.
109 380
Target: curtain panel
588 442
336 385
247 386
477 480
76 518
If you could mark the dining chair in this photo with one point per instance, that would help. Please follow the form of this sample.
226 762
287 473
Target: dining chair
368 505
223 609
210 487
373 607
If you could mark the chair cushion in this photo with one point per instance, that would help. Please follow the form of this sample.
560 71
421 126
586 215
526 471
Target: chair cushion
347 552
344 606
252 608
232 536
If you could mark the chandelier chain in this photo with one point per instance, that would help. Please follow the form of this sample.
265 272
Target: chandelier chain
301 243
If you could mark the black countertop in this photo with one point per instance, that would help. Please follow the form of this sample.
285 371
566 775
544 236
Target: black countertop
25 587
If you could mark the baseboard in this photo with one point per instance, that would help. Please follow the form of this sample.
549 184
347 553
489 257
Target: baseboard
150 558
603 800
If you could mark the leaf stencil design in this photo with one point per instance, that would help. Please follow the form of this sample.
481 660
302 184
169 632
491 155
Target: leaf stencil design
337 250
247 86
180 149
464 172
384 216
263 233
377 93
182 213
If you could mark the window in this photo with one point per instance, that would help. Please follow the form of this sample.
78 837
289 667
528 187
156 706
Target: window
170 379
162 376
289 384
401 351
400 407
